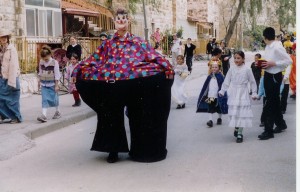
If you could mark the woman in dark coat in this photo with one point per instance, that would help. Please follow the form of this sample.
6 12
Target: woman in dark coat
74 48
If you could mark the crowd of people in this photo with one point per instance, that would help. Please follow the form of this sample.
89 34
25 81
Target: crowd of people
126 72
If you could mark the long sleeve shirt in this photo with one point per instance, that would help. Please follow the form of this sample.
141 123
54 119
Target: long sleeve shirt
276 52
122 58
10 68
56 72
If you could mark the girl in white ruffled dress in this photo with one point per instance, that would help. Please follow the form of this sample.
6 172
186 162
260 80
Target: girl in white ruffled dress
177 91
239 102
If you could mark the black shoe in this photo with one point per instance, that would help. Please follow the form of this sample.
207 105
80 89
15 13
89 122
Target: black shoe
265 136
262 124
239 139
77 103
283 112
112 157
219 121
279 129
235 133
183 106
178 107
209 123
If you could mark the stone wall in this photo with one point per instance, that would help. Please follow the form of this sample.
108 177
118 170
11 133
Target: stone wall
7 15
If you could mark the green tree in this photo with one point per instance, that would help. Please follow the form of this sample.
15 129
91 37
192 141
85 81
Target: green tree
286 12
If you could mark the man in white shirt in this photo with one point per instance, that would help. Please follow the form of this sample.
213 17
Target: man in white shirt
276 61
176 49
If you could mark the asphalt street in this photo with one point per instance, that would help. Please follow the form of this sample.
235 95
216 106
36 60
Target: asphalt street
199 158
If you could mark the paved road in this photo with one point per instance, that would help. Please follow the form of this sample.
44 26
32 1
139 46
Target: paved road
199 158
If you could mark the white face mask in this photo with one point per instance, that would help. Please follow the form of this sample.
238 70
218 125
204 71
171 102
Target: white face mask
121 22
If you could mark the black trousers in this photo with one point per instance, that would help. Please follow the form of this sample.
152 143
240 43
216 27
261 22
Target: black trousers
148 103
189 62
272 109
284 97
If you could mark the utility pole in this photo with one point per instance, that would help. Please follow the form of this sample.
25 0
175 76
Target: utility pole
145 22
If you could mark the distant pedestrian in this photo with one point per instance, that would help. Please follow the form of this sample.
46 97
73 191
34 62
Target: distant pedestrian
72 88
74 47
156 36
189 51
9 81
177 91
209 48
49 76
209 100
256 70
176 49
276 61
225 57
239 103
293 73
103 36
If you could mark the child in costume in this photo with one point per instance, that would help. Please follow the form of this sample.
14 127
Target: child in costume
72 88
239 103
177 91
49 76
209 101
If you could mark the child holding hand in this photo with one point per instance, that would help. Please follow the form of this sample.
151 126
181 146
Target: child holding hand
239 103
209 101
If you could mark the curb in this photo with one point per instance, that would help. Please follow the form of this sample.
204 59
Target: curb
41 129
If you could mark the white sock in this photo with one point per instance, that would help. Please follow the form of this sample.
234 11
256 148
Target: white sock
57 109
210 116
220 115
44 112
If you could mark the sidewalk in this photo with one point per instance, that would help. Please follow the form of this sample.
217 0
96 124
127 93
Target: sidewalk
16 138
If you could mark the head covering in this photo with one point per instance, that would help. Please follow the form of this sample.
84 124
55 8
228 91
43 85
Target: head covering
4 32
103 34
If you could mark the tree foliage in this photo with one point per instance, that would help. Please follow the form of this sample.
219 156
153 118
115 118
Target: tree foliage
286 12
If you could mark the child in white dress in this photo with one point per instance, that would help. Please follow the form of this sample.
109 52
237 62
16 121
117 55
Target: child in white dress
239 103
181 73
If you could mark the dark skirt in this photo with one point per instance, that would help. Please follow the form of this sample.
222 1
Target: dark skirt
148 103
214 107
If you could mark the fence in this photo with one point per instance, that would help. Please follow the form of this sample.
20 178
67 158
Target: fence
28 49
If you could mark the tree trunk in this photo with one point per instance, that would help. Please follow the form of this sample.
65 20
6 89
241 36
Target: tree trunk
233 21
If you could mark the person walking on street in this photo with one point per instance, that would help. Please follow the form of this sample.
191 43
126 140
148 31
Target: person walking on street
189 51
71 86
276 61
209 48
9 81
226 55
176 49
239 103
177 90
156 37
209 100
49 76
127 71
